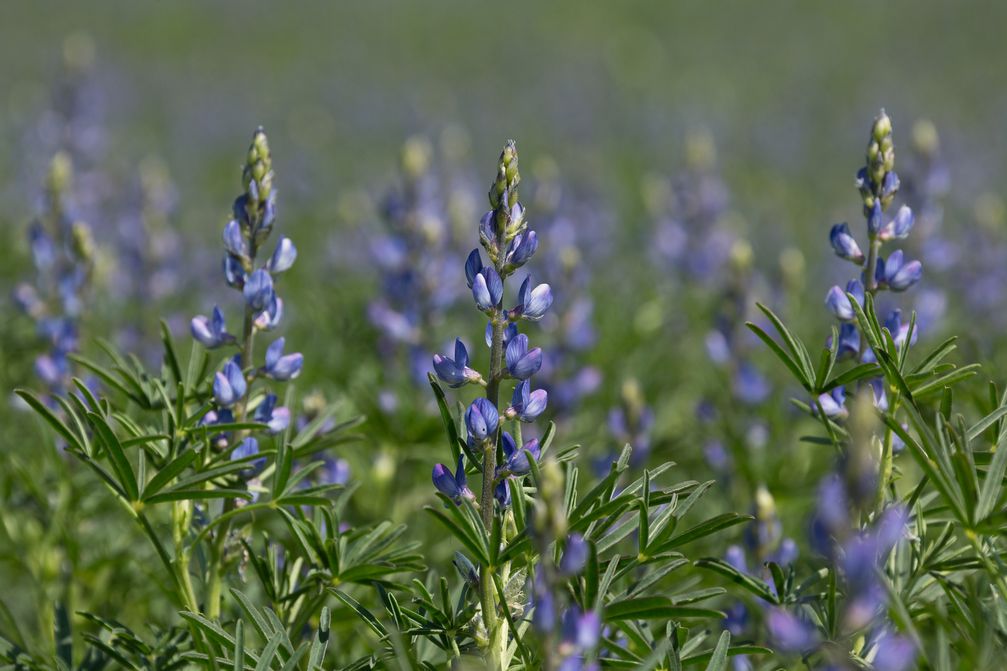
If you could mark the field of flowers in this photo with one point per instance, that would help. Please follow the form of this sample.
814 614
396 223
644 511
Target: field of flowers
451 335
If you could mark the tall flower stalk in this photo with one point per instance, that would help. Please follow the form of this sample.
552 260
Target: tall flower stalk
878 184
245 234
62 252
508 243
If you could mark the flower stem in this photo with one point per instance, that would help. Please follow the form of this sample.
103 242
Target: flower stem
488 598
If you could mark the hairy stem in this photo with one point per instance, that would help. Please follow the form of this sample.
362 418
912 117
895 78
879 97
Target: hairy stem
488 596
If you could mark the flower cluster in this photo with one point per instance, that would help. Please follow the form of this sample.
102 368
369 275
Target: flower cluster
878 184
62 252
856 554
254 212
501 456
571 635
415 257
690 229
509 243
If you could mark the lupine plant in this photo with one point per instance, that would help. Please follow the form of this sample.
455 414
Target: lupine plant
553 589
62 252
212 468
414 259
899 544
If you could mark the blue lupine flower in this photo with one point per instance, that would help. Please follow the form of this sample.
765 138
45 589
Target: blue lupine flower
335 471
277 418
258 289
516 460
575 555
453 486
455 372
229 385
280 366
787 553
481 419
487 288
473 266
789 632
52 369
532 303
526 404
749 385
220 416
544 604
735 556
487 229
43 251
211 332
234 240
270 318
899 226
832 516
247 448
521 362
899 274
874 218
234 272
833 403
894 653
501 492
581 632
508 334
845 244
880 397
890 184
283 256
522 248
839 303
849 340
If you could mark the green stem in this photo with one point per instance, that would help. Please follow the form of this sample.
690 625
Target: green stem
488 598
217 551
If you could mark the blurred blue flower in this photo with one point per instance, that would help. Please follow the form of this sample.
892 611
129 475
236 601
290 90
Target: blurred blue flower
789 632
575 555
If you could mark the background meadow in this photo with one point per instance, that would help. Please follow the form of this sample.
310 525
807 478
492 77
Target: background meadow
680 162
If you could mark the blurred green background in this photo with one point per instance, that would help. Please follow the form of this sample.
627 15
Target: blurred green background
608 91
